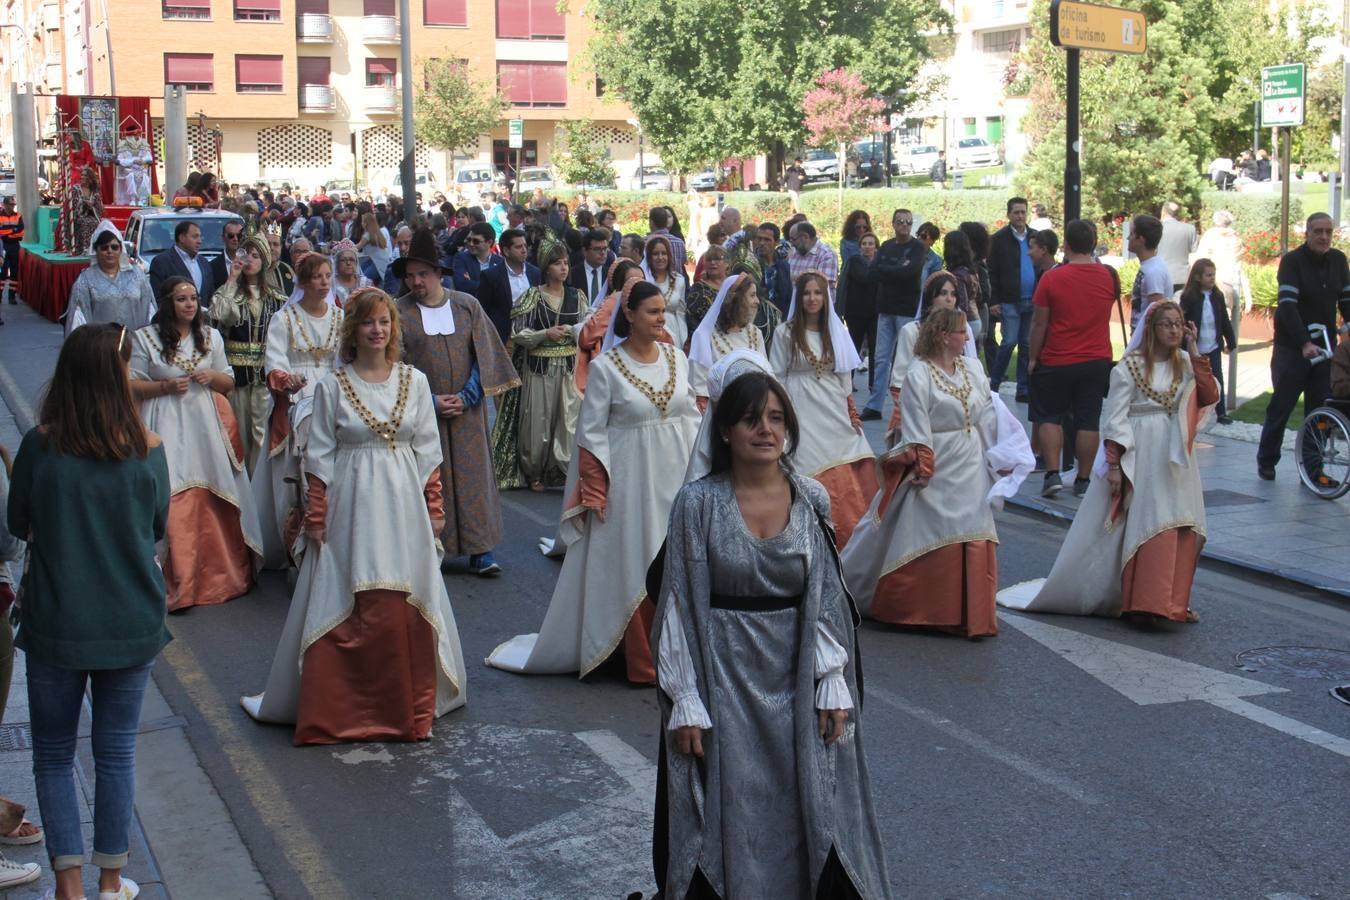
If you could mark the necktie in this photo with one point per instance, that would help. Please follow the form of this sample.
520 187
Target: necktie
595 283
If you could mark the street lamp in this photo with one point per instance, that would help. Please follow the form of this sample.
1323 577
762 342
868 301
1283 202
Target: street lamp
638 125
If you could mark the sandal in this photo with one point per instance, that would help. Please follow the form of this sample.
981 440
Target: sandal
26 833
1192 616
537 487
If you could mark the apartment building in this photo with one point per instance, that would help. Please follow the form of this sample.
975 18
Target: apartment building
34 51
309 91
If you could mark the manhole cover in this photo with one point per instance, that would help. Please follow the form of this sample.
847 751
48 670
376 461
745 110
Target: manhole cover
1299 662
1220 497
14 737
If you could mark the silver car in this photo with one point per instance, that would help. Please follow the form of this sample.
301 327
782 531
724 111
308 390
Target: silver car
652 178
916 160
150 231
703 181
974 153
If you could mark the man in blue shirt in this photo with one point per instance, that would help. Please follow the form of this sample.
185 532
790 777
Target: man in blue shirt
1012 278
477 255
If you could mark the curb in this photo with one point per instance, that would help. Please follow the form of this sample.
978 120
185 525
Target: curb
1296 577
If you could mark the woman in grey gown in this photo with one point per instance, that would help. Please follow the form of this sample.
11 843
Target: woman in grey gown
763 788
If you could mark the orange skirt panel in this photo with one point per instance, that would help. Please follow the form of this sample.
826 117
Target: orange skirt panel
1157 579
372 678
208 561
851 488
951 588
637 646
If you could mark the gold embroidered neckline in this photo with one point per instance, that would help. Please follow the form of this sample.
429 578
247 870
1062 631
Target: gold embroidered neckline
387 430
660 399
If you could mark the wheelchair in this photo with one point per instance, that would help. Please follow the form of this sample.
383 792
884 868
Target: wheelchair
1322 450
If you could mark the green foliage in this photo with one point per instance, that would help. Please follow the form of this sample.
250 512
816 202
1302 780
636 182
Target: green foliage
712 80
1312 142
1150 124
1251 212
453 110
1264 284
580 154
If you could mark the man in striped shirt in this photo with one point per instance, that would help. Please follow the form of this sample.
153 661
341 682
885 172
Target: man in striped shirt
812 254
1314 281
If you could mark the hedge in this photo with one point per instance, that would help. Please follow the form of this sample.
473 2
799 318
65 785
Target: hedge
1251 212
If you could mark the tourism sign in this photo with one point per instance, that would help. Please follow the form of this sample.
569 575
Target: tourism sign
1282 95
1087 26
516 133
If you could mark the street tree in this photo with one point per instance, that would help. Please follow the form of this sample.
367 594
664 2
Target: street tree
712 80
581 155
1151 123
839 110
454 110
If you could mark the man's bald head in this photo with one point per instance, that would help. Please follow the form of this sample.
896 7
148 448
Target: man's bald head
730 219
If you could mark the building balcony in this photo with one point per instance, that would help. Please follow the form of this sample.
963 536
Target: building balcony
314 28
379 30
381 98
316 98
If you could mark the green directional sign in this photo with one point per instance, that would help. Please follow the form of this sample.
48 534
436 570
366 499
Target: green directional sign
1282 90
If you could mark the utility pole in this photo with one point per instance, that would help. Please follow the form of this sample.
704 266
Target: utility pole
1073 171
1345 111
408 170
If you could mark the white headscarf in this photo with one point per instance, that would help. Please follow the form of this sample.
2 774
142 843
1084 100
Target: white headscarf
700 345
970 351
670 258
612 338
123 261
846 357
738 362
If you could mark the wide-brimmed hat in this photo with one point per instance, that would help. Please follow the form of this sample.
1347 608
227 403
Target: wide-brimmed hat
422 249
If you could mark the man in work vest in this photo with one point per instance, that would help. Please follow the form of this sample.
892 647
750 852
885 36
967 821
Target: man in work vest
11 233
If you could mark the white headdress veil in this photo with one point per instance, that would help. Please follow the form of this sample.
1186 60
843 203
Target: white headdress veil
298 292
670 254
612 338
846 357
970 352
738 362
123 261
700 345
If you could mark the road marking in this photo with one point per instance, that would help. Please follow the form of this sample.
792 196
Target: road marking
16 401
285 824
536 517
1031 769
629 764
1149 678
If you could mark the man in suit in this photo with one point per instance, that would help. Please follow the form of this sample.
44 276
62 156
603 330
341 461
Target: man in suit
231 234
182 259
590 276
500 286
470 264
607 218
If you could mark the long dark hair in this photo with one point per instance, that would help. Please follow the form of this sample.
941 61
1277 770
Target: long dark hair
166 318
934 284
642 290
956 251
619 273
745 398
675 229
978 236
731 304
87 410
851 230
798 323
1192 290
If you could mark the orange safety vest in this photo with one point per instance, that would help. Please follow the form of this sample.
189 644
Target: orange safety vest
11 226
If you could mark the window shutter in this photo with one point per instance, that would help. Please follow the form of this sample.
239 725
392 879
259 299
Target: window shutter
314 69
258 70
378 8
513 19
189 68
445 12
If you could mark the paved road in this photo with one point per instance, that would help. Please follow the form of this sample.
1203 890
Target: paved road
1064 758
1000 767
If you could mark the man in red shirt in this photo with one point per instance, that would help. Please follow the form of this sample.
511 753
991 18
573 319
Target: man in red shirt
1070 353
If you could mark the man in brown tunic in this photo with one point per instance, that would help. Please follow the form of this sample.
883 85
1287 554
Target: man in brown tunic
448 337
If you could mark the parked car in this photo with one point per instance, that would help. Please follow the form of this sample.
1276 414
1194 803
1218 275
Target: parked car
871 156
475 178
915 160
652 178
150 231
821 165
532 177
975 152
703 181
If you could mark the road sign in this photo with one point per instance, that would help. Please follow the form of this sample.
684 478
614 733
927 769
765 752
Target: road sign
516 133
1086 26
1282 95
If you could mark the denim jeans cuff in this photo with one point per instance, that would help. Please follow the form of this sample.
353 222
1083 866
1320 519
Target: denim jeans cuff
69 861
109 860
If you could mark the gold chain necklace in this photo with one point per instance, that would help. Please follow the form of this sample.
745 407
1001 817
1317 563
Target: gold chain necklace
961 393
1167 401
722 341
819 363
300 333
660 399
187 365
387 430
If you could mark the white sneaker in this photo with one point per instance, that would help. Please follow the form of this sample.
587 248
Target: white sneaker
128 891
13 874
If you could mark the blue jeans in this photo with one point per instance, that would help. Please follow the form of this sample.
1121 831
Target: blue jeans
888 333
1016 329
54 698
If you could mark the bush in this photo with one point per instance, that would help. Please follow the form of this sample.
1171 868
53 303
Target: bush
1251 212
1261 246
1264 284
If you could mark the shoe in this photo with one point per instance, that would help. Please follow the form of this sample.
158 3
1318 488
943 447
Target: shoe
13 874
128 890
1265 473
869 415
1052 485
1080 486
862 366
1342 693
484 565
1225 420
21 840
1327 482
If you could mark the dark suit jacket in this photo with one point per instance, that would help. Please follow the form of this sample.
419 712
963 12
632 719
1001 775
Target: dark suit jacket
1005 267
577 278
494 295
1223 325
168 264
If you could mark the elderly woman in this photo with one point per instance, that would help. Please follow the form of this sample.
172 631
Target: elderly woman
112 289
925 552
1223 245
1135 542
729 324
348 278
703 292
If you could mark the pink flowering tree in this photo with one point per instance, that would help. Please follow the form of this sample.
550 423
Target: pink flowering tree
841 109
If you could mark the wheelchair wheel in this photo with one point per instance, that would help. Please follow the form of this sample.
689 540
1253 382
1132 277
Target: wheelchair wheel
1322 451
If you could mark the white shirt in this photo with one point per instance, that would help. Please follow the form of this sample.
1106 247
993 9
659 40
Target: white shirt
194 268
599 276
1208 338
520 282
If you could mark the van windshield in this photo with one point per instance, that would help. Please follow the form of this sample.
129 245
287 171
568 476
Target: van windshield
157 233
